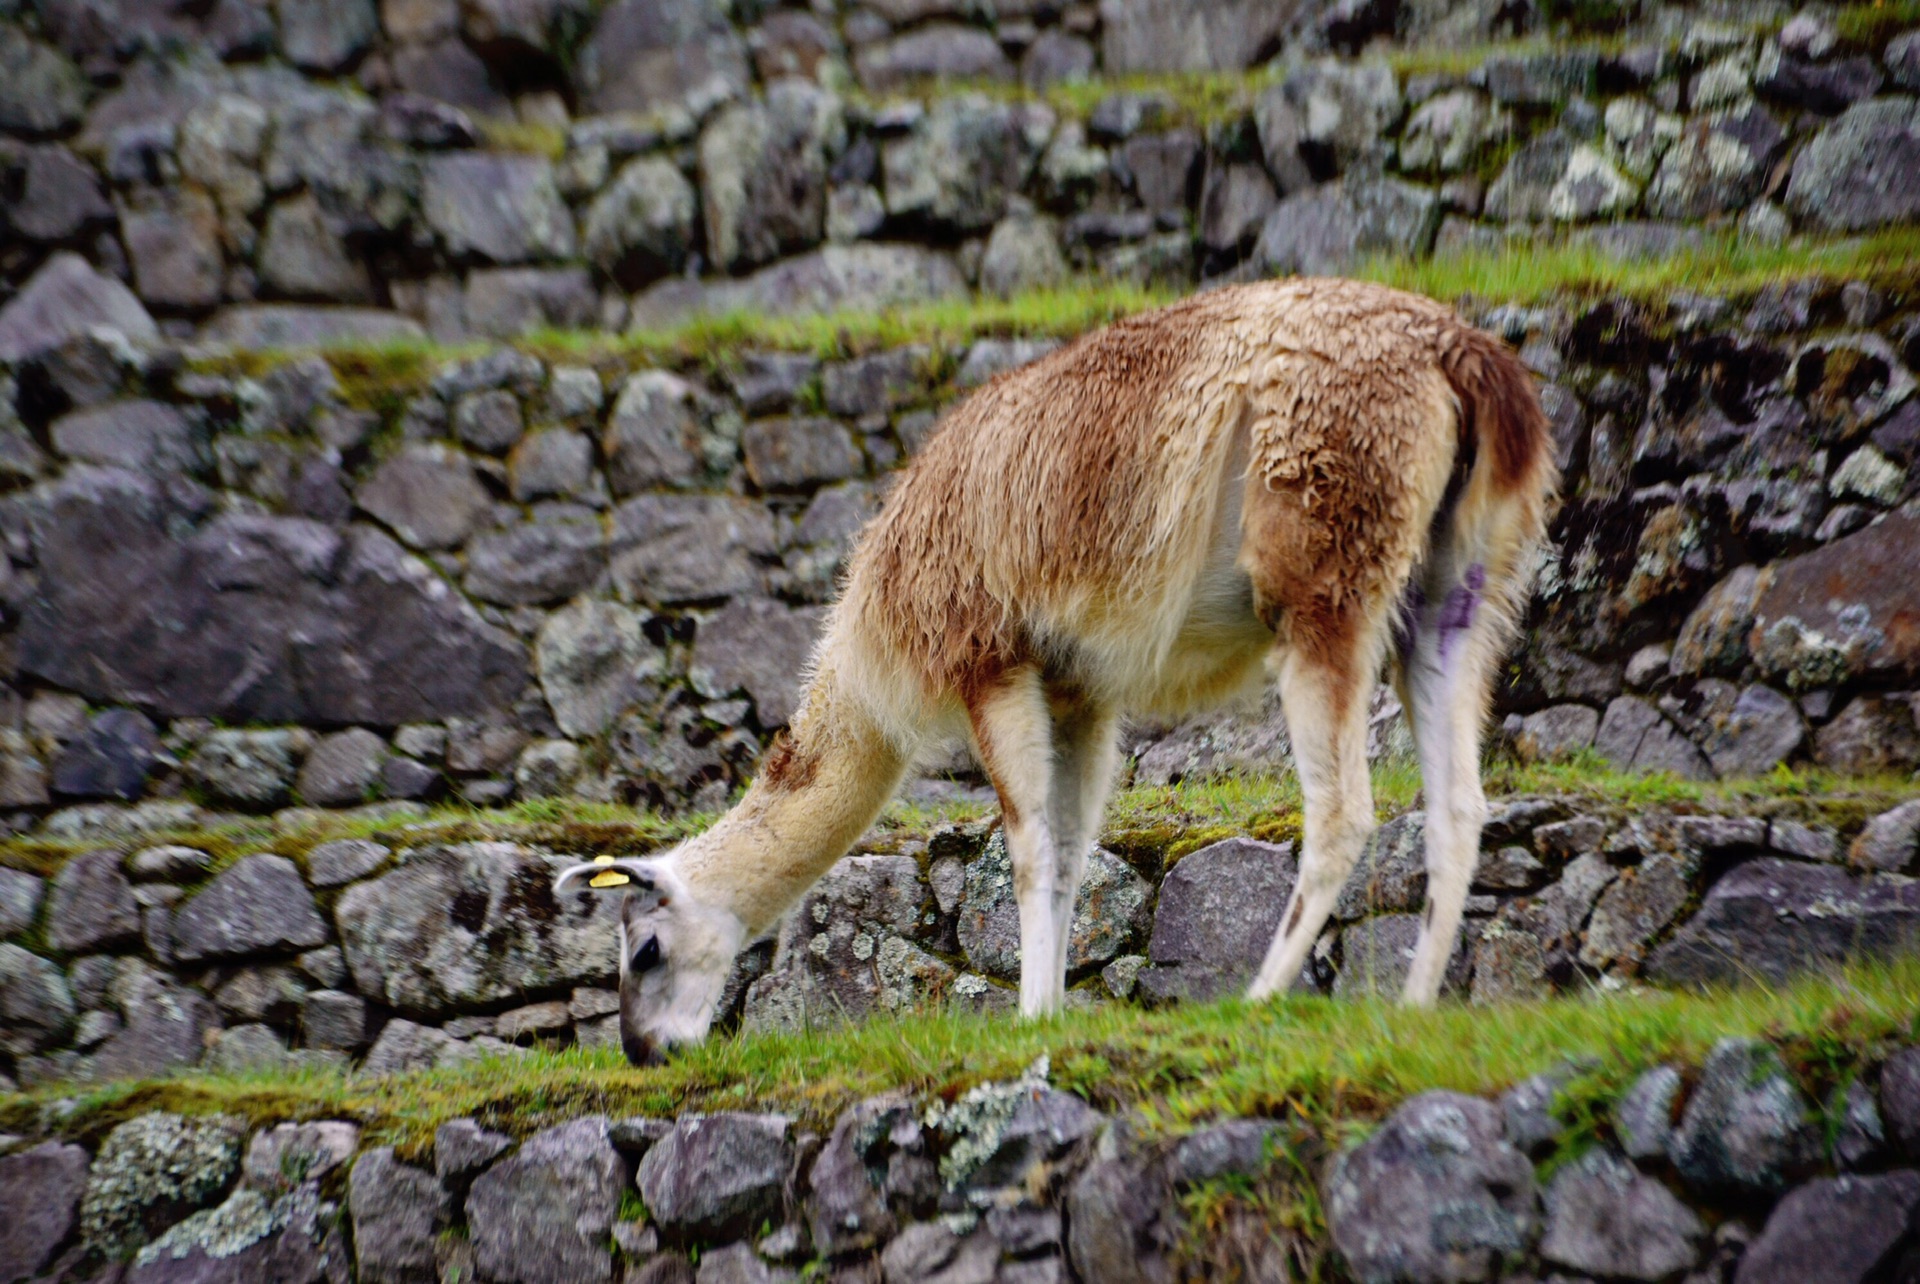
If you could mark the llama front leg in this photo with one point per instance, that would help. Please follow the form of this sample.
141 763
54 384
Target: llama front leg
1326 708
1014 735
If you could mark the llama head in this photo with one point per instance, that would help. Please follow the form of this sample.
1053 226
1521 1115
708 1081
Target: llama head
675 954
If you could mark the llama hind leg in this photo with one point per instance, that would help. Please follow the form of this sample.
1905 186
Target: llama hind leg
1014 734
1448 673
1326 707
1084 737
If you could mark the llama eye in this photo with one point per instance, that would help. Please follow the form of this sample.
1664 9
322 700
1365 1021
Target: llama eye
647 956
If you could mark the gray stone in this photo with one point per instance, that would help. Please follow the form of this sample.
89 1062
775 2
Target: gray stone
284 1156
1890 841
763 174
1558 731
957 169
686 548
474 924
542 1216
1773 918
20 897
462 1148
876 384
304 254
1633 736
1605 1219
489 420
503 368
1168 35
40 1188
1344 109
939 51
1023 253
1859 172
1871 734
1717 165
1834 1229
43 93
325 625
65 299
267 326
592 660
151 1172
1862 1134
427 494
325 35
90 907
1507 869
247 1238
23 776
799 453
1110 913
1808 842
1377 955
1713 640
932 1253
716 1176
556 463
770 381
334 1019
257 906
1902 56
1333 226
1446 132
1217 914
847 1207
560 551
1121 1223
145 436
36 1005
1538 79
758 646
1747 1128
270 993
1391 873
495 207
1434 1194
111 758
343 861
173 241
653 437
1234 203
1828 615
642 226
1555 177
58 197
164 1026
399 1212
1637 907
547 769
650 54
404 1046
1643 1117
341 768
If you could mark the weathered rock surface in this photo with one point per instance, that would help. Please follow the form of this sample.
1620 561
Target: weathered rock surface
472 924
41 1189
1747 1128
259 906
1835 1229
542 1215
718 1175
1218 911
399 1213
1434 1194
1605 1218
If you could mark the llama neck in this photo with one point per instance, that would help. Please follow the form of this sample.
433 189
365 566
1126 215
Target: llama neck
818 790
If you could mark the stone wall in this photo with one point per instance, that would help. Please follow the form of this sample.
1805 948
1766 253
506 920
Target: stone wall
431 943
250 582
269 174
1734 1170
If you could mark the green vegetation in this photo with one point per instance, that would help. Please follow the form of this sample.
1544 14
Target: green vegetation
1868 26
382 376
1333 1064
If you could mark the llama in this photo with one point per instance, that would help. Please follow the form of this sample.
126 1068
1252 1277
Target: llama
1301 479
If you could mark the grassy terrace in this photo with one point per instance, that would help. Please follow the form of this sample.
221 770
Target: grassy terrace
1333 1065
381 376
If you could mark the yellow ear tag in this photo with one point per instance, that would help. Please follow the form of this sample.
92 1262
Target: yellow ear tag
608 877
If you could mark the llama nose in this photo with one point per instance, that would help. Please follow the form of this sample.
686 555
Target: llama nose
643 1049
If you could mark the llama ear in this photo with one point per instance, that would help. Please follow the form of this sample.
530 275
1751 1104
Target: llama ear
608 873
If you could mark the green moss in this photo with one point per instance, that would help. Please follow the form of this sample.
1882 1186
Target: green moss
1332 1064
1869 26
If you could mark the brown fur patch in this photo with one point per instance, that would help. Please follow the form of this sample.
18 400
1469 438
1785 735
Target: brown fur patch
786 768
1293 919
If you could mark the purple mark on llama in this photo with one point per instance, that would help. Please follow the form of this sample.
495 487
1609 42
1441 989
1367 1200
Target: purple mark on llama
1456 614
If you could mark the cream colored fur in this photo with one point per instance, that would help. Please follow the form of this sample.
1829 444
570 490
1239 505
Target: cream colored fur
1149 521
